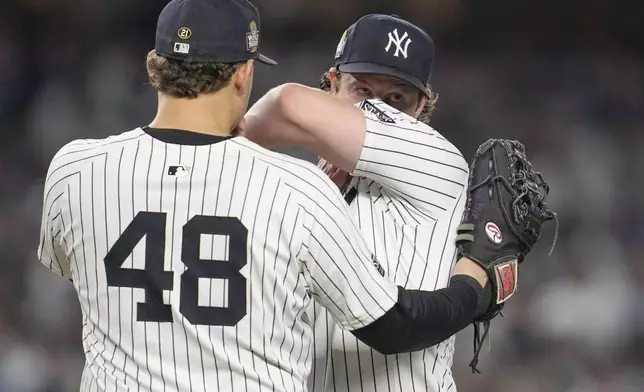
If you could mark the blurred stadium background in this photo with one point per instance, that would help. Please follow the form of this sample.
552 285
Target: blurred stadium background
564 77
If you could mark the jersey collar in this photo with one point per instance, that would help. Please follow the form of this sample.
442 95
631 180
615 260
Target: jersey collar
183 137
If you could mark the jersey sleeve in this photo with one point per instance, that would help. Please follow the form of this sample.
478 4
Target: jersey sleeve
50 250
410 159
342 274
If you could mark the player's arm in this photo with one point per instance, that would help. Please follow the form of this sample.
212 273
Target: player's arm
296 115
403 155
345 279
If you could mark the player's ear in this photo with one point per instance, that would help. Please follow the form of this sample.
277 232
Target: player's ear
333 77
421 103
243 76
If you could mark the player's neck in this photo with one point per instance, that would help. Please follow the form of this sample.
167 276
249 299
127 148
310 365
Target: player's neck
212 114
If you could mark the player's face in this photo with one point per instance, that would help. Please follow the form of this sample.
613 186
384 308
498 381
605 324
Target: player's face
393 91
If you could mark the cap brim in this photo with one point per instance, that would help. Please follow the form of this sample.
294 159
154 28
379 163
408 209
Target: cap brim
379 69
265 60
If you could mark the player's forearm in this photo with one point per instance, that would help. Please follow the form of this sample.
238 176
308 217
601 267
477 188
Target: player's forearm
267 125
296 115
421 319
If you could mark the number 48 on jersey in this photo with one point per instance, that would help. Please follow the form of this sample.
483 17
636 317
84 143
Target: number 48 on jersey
154 279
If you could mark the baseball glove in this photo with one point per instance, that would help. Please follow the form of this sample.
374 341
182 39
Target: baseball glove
505 211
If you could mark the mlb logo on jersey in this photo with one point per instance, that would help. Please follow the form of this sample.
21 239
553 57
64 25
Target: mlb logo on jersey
178 171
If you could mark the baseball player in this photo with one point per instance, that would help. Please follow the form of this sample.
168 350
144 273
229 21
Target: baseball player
407 194
196 256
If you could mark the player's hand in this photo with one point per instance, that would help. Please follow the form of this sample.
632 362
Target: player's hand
340 178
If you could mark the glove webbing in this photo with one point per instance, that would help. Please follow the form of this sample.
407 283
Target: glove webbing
531 190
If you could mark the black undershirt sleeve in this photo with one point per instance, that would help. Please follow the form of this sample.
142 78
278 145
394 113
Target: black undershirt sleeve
421 319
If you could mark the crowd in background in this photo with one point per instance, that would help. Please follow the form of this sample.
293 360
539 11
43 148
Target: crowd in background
74 69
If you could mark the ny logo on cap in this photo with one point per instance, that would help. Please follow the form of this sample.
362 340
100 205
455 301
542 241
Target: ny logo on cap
398 41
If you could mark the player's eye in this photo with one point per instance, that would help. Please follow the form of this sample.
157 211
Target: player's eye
363 91
395 98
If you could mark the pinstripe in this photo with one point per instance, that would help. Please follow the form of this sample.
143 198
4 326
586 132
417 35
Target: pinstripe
55 256
55 185
314 348
136 154
424 369
342 269
42 241
330 355
61 167
183 319
250 177
447 238
265 239
261 191
71 229
324 213
411 375
395 152
444 374
107 241
165 162
228 214
344 349
147 209
413 256
375 174
290 243
326 294
406 216
433 147
172 238
89 146
288 164
119 215
431 241
82 227
94 245
408 129
75 277
277 252
203 371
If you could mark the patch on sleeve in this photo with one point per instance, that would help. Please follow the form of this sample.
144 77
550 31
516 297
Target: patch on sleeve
376 264
371 108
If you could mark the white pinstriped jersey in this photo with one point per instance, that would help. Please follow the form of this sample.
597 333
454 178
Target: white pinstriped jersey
407 196
195 263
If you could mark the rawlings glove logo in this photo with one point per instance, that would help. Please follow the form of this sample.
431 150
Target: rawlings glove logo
506 280
493 233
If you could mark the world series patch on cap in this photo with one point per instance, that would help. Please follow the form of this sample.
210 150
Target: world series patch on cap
210 31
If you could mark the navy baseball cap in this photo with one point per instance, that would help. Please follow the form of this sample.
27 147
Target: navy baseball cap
209 31
387 45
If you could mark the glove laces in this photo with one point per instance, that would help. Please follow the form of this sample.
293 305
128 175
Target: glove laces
478 343
532 190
